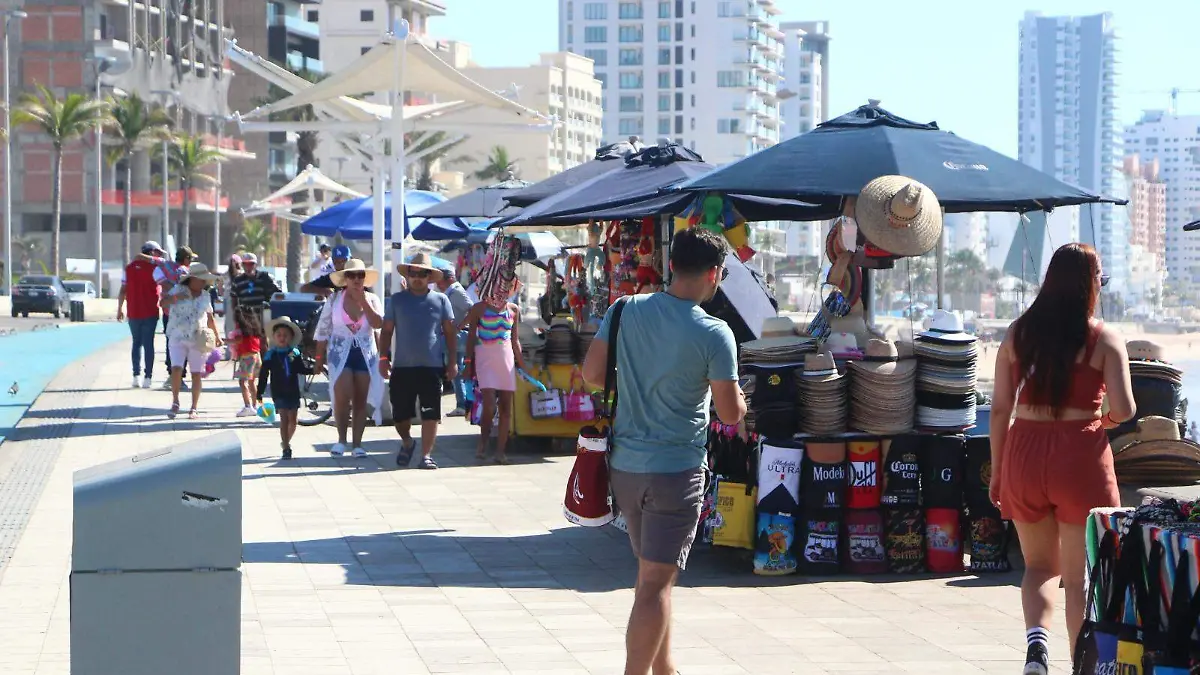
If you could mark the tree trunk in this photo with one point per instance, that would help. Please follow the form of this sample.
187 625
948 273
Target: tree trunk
56 211
295 244
187 215
127 223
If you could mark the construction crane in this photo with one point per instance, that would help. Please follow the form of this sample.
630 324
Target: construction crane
1174 93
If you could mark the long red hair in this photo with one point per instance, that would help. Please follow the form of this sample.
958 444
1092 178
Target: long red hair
1050 334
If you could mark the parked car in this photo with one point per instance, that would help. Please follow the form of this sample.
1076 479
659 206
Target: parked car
40 293
80 290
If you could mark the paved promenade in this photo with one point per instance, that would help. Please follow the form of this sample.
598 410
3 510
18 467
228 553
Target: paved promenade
353 567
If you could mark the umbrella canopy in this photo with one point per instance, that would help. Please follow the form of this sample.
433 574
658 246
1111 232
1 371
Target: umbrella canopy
534 245
742 301
485 202
555 184
352 219
634 189
840 156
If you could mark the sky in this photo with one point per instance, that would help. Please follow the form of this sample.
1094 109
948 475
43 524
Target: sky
927 60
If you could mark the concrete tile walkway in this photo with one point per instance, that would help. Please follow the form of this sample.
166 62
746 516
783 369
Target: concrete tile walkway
354 567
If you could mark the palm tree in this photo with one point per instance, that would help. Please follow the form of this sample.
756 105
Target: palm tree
63 120
256 237
188 156
498 166
425 176
135 125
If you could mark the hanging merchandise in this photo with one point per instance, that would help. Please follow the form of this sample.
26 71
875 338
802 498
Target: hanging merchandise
578 405
822 536
824 485
864 542
941 460
499 271
716 214
774 545
649 275
733 519
988 542
902 472
779 479
546 402
865 488
577 288
977 475
835 306
774 400
943 541
904 540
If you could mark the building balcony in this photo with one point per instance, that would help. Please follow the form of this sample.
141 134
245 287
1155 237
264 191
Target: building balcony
299 26
233 148
769 7
299 62
200 199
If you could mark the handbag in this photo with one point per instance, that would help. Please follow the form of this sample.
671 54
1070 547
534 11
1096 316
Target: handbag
733 524
546 404
588 500
578 405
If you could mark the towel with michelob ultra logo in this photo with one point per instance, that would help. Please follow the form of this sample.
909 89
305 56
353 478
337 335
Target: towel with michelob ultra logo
778 500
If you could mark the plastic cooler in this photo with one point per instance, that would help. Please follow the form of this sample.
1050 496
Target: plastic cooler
299 307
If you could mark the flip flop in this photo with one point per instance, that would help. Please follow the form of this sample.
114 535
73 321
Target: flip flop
174 411
193 414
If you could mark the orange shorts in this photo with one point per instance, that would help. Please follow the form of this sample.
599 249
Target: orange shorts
1062 468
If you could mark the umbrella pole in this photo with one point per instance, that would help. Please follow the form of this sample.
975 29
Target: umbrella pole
378 221
665 224
398 151
868 296
941 269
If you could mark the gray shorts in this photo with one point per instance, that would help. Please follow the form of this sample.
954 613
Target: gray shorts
661 512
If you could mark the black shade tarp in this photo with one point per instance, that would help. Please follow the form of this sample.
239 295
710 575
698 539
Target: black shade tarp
607 158
839 157
743 301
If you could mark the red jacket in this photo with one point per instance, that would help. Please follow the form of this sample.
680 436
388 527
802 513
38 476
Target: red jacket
141 292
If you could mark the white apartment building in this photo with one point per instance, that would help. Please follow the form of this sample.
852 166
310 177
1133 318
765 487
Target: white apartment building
348 28
1174 140
966 232
705 74
1068 121
562 85
806 66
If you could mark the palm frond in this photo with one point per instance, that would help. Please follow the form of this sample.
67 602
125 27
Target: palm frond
62 119
188 156
135 124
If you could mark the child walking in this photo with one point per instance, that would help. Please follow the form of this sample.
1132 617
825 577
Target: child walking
247 344
282 367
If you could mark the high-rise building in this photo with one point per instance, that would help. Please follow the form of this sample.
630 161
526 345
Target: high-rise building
704 74
966 232
1068 122
1147 206
1173 141
806 67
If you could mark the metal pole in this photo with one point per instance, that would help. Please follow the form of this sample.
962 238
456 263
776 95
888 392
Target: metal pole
7 166
217 199
101 66
378 221
166 200
400 30
941 270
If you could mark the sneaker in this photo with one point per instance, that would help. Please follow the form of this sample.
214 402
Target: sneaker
404 457
287 452
137 382
457 412
338 449
146 382
427 463
359 452
1037 660
247 412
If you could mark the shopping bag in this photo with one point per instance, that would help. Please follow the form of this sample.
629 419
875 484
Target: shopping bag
546 404
587 501
734 516
578 405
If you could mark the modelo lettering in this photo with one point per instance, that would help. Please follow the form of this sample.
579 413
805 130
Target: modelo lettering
829 472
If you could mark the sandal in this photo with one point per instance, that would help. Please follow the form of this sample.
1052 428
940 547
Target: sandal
193 414
427 463
502 460
174 411
481 454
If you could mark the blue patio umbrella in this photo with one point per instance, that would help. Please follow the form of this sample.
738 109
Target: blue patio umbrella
839 157
352 219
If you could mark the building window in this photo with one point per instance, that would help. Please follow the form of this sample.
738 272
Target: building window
631 104
664 102
679 9
595 10
603 79
728 126
628 126
631 80
599 56
664 32
730 8
664 79
630 34
629 10
664 126
570 11
366 15
595 34
678 55
679 78
313 15
679 126
679 32
679 101
664 9
664 56
631 57
731 78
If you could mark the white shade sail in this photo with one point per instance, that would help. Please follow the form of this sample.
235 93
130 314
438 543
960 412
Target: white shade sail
376 70
306 182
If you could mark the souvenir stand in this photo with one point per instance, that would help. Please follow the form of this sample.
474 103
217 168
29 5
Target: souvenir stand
863 455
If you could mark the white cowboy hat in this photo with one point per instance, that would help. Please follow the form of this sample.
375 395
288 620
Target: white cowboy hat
297 334
1145 350
354 265
420 261
198 271
948 326
899 215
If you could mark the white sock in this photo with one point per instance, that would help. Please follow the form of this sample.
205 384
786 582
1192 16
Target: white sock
1037 635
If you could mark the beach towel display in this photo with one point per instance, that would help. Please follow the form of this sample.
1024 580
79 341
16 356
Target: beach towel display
774 543
822 544
865 488
864 542
988 538
943 540
779 478
774 400
941 459
902 472
904 540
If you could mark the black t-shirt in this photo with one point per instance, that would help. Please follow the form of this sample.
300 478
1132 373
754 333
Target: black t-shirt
254 291
325 282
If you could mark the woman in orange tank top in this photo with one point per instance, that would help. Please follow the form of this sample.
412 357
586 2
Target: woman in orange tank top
1051 463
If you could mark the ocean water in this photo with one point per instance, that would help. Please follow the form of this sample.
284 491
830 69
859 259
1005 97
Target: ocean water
1191 387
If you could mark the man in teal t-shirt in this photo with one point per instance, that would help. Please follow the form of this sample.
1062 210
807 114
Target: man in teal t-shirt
670 355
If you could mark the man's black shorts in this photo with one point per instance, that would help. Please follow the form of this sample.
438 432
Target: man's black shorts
410 384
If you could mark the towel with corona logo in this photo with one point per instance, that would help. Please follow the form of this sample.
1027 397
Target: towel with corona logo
901 473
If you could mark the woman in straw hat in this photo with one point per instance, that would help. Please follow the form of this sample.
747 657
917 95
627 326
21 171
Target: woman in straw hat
1053 464
190 331
348 344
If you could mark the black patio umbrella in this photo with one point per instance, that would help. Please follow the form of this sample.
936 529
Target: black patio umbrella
484 202
555 184
742 301
634 189
839 157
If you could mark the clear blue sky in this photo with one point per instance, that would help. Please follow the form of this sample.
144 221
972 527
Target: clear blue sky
950 61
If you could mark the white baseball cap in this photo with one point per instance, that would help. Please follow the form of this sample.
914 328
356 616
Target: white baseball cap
249 258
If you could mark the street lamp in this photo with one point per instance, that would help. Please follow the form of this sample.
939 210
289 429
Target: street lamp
8 220
166 201
103 63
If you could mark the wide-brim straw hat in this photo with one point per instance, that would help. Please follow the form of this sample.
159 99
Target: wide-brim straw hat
1145 350
1149 428
421 261
899 215
819 367
297 334
198 271
354 265
881 360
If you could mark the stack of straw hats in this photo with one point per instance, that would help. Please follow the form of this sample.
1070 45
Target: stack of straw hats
1155 454
882 390
560 343
1157 386
822 397
583 339
946 374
